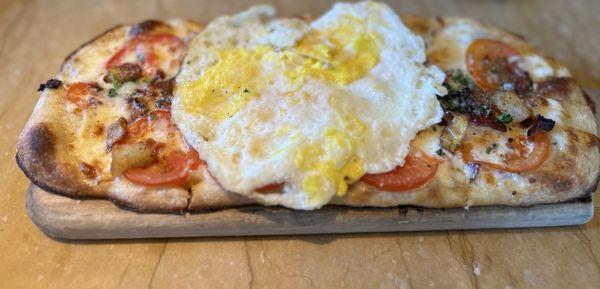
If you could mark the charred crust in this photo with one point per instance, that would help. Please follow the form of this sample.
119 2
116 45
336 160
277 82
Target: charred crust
590 102
147 27
36 157
558 88
51 83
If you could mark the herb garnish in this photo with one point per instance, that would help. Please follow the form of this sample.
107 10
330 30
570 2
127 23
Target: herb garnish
505 118
486 110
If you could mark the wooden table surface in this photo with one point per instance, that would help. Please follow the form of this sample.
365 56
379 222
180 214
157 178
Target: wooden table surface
35 36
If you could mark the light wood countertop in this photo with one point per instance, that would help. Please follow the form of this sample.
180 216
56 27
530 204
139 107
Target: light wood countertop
37 35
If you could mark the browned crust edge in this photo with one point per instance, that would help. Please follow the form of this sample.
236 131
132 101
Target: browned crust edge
37 159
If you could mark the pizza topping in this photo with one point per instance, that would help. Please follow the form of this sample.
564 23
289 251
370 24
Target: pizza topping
161 88
492 65
87 170
83 94
138 105
417 170
454 132
163 103
539 125
116 132
270 188
171 170
147 51
512 107
505 118
123 73
50 83
133 155
525 153
465 98
472 171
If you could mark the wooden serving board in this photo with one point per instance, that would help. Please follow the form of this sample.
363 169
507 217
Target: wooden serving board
66 218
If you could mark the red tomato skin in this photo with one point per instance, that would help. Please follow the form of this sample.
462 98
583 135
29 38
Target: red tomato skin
417 170
480 54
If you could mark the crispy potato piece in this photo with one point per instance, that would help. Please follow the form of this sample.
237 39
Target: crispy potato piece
133 155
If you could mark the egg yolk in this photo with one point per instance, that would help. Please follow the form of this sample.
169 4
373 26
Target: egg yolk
332 161
341 55
227 86
338 56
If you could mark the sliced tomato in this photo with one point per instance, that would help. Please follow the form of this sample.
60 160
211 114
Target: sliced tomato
270 188
82 93
158 119
172 171
483 57
146 51
522 159
174 165
417 170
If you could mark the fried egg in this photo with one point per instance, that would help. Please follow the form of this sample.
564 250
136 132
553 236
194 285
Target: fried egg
310 106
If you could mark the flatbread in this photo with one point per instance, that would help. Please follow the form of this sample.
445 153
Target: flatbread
51 146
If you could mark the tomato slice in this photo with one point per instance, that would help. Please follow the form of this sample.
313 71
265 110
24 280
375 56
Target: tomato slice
270 188
146 51
175 165
173 171
522 159
483 58
418 169
155 120
81 93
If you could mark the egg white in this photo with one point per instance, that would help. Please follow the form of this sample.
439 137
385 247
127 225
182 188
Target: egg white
315 130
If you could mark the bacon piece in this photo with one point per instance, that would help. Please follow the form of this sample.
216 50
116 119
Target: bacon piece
116 132
87 170
161 88
540 124
123 73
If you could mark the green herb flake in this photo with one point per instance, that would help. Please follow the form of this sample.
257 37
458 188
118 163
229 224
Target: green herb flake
152 116
505 118
112 92
486 110
246 90
488 150
440 152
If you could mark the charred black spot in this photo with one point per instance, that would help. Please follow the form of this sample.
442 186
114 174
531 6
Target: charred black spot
50 83
541 124
145 27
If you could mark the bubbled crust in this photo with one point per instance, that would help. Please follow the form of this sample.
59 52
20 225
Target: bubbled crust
42 148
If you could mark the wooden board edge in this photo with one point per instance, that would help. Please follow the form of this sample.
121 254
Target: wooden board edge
64 218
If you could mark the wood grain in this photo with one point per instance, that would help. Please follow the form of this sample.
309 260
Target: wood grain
37 35
66 218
